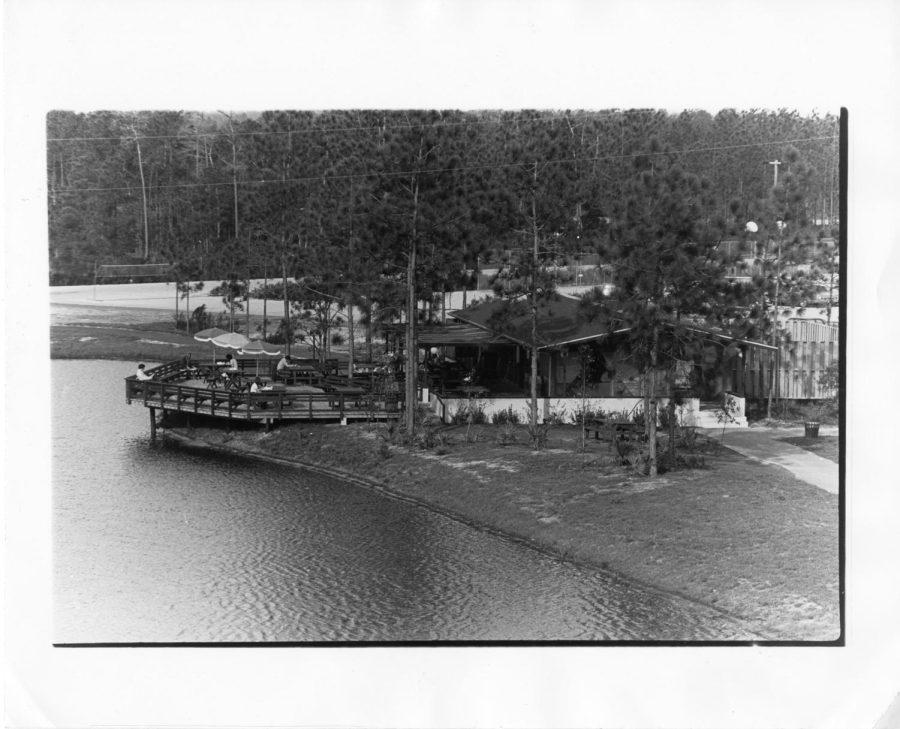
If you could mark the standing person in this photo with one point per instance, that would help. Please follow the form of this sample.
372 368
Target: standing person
141 373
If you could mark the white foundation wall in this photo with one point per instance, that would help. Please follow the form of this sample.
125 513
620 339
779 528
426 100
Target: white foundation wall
565 407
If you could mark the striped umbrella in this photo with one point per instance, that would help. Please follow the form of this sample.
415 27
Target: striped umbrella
207 335
258 347
231 340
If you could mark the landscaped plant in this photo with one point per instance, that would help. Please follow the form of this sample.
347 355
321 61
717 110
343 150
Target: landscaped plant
506 435
725 412
471 412
556 416
580 415
503 417
830 381
538 433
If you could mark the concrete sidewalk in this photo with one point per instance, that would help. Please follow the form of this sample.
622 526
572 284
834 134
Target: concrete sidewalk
764 445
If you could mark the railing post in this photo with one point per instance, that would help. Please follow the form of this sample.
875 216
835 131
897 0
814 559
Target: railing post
230 404
310 406
280 403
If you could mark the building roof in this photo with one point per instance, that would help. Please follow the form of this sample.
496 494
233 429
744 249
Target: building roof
560 322
456 334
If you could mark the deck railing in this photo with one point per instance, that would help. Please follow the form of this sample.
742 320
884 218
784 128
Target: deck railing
166 392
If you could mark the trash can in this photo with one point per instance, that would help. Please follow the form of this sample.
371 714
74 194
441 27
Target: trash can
812 429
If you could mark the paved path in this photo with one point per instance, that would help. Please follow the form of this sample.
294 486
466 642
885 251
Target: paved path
765 445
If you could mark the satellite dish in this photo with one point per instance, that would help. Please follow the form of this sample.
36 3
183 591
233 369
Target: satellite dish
752 227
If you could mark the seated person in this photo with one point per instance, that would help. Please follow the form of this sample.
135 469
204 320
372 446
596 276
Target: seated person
229 365
283 364
141 373
257 386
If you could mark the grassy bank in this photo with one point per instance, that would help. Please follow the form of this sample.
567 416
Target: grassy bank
154 342
746 538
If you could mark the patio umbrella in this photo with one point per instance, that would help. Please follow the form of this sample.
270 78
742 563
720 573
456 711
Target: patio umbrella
257 347
231 340
207 335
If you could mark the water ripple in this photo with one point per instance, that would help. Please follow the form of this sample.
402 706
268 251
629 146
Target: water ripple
169 544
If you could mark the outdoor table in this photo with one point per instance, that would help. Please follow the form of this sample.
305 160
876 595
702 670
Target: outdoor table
347 392
293 373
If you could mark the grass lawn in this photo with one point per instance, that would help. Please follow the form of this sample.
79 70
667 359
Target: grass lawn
742 536
152 342
827 446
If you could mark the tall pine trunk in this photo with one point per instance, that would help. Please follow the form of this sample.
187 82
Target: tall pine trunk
774 357
534 317
143 194
651 402
286 328
411 345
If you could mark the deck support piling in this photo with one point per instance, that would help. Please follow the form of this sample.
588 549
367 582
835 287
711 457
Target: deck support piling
152 425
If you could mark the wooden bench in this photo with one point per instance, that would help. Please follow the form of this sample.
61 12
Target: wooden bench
614 428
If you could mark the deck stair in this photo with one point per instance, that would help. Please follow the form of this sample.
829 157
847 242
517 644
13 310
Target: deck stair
709 417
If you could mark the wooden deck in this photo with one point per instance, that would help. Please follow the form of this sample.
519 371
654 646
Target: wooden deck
174 388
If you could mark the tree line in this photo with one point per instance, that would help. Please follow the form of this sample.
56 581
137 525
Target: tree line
214 192
382 210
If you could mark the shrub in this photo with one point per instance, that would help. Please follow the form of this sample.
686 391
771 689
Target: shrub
201 318
506 434
471 413
507 416
538 434
556 417
637 416
426 435
589 414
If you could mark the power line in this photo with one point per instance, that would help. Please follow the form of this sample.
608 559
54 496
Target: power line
373 127
471 168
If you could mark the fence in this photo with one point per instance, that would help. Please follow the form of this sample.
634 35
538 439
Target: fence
809 349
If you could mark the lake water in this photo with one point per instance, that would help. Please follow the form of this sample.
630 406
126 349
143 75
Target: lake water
167 544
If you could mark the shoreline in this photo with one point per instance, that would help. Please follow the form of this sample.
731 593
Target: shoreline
694 535
546 549
724 537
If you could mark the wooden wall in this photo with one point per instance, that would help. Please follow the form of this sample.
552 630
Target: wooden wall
809 348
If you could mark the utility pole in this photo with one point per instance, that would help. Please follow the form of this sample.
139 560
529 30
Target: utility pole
775 164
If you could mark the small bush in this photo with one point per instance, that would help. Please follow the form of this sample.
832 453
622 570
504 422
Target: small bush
507 416
506 435
556 417
201 318
538 434
589 414
664 418
389 432
471 413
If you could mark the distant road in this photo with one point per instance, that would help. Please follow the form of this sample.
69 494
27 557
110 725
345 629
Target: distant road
161 297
